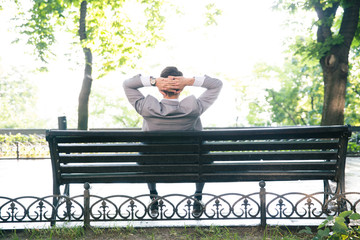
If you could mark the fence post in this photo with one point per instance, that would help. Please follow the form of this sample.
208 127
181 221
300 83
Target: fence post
17 150
62 123
87 205
262 203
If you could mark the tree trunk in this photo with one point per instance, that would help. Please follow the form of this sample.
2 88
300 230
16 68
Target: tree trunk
83 108
335 79
335 64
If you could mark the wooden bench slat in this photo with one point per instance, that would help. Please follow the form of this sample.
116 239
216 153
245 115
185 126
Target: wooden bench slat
218 167
132 147
133 178
173 168
126 137
296 132
288 155
151 158
217 146
266 145
240 167
215 177
277 176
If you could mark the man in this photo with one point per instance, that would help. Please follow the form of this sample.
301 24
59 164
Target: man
170 113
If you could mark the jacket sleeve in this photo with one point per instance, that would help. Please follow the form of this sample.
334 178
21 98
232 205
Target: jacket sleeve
213 87
131 87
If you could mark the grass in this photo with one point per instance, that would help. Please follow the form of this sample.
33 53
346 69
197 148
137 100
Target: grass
183 233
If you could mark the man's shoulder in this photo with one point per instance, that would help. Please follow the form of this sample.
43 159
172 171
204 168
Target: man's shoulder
151 100
188 100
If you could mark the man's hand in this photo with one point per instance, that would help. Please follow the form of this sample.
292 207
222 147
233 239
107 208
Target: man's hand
166 84
173 84
182 82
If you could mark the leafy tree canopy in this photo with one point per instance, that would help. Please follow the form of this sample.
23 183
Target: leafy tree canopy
116 33
17 100
300 96
308 47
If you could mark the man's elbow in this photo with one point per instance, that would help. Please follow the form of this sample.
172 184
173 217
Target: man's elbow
128 83
125 83
217 84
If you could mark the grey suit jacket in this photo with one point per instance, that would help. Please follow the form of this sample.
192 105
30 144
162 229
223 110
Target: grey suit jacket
168 115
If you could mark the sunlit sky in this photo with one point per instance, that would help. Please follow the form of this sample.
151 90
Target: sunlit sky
247 32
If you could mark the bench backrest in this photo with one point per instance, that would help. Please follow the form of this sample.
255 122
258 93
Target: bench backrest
247 154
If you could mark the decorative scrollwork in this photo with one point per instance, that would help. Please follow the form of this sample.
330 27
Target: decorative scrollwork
293 205
308 206
69 209
40 210
12 210
279 206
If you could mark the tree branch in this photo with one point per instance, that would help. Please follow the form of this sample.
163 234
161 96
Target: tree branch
324 29
349 23
82 20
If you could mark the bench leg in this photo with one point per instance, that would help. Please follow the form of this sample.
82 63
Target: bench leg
56 193
67 190
341 201
327 190
331 189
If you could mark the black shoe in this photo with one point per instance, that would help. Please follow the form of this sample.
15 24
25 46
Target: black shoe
198 208
154 207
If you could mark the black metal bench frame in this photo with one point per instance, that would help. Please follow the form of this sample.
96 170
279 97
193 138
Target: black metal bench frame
221 155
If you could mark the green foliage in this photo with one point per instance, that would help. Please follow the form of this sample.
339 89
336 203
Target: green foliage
23 146
76 232
116 31
117 35
256 117
353 147
352 104
297 100
336 228
113 112
312 50
33 139
204 233
309 48
293 6
17 100
39 25
211 14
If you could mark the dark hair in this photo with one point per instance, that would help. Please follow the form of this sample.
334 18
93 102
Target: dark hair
170 71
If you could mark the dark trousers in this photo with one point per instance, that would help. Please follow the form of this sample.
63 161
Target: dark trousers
199 189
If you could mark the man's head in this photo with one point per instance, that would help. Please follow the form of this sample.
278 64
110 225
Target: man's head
174 72
170 71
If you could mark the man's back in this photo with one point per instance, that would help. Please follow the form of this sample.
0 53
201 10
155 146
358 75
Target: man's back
171 114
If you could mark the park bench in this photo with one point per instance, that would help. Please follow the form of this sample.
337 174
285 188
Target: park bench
218 155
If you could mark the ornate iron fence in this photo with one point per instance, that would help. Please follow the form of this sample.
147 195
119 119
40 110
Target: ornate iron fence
239 208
